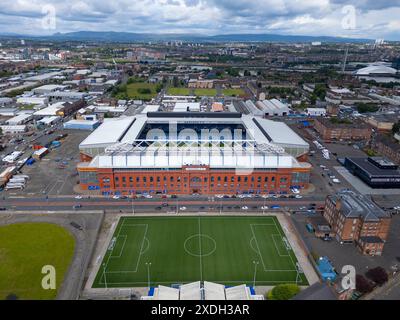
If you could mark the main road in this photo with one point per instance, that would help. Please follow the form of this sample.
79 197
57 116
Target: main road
191 203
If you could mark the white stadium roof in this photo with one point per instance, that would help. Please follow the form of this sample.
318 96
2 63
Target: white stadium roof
116 144
203 291
376 69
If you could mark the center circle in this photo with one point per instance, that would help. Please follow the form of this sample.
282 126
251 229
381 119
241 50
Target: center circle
200 245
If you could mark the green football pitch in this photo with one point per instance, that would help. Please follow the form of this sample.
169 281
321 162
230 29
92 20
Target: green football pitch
178 250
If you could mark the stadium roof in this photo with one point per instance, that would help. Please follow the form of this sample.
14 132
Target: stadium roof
191 291
214 291
166 293
110 132
376 70
280 133
264 137
203 291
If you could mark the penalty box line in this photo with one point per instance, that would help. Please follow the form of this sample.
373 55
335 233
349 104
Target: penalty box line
259 251
111 256
283 235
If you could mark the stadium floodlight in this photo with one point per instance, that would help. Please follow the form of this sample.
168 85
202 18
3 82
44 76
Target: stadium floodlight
255 272
148 264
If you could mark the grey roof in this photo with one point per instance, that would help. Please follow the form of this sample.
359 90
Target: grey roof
371 239
317 291
372 170
357 205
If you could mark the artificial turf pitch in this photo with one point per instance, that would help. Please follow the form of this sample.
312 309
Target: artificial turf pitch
228 251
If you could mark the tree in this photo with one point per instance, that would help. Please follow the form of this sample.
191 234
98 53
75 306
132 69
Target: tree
283 292
377 275
320 91
396 127
363 285
366 107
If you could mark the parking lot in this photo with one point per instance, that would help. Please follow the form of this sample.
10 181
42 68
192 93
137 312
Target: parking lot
324 171
348 254
56 173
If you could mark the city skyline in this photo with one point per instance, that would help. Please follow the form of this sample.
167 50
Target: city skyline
338 18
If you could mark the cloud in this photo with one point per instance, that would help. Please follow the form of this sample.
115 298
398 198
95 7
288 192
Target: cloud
374 18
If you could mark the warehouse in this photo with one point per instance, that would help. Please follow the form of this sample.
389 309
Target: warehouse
13 129
19 119
50 120
273 107
82 125
186 153
187 107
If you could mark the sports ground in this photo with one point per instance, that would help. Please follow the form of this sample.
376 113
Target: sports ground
178 250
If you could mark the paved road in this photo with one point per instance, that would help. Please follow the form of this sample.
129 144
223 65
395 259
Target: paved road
193 203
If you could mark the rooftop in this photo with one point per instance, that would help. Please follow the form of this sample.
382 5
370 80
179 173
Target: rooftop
338 123
374 171
357 205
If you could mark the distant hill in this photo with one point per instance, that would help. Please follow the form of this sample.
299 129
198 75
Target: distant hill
111 36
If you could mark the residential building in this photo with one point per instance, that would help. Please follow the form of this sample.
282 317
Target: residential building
342 130
354 218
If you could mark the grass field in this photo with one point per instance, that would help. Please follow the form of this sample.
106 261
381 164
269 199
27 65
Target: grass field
179 91
205 92
133 91
186 249
24 250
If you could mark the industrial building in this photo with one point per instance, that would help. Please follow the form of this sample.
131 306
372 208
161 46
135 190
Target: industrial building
377 172
186 153
273 107
89 125
19 119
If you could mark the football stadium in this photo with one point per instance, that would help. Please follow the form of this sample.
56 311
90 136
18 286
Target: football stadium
171 251
193 153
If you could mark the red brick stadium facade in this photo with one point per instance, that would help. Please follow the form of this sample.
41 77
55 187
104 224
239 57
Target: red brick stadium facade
192 180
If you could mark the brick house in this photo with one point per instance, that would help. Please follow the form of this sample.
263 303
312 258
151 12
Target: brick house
354 218
387 146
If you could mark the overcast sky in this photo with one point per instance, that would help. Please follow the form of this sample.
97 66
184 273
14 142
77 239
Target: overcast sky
367 18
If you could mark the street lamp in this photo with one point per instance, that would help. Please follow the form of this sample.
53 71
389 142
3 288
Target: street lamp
148 264
255 272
